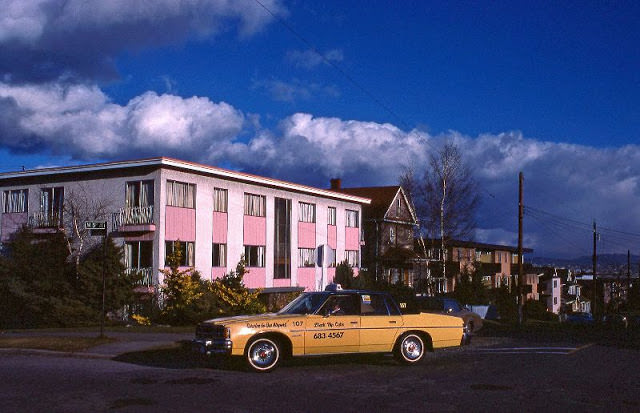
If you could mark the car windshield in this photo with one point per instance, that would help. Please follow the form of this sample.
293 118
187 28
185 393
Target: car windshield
306 303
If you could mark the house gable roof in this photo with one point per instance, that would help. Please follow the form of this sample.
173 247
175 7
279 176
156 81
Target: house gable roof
382 199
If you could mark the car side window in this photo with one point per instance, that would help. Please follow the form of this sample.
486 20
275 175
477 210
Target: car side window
373 305
340 305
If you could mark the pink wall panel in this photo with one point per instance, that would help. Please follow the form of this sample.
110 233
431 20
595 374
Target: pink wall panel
306 235
352 238
282 282
180 224
256 278
217 272
220 227
331 274
147 236
11 222
307 278
332 236
255 230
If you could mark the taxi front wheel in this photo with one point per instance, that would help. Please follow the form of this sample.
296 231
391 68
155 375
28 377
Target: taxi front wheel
410 349
263 355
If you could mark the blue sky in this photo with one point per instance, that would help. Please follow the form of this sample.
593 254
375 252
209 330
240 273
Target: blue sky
306 91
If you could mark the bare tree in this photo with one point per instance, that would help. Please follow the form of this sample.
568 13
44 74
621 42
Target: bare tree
80 205
445 197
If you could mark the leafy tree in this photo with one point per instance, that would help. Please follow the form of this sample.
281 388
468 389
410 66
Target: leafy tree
233 296
182 291
37 284
506 302
470 288
344 275
119 286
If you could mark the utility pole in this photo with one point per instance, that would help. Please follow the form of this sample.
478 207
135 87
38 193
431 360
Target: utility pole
520 266
628 274
595 268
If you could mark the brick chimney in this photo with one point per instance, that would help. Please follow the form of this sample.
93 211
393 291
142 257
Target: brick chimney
336 183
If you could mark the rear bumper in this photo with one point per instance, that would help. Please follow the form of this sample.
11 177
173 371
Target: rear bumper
212 346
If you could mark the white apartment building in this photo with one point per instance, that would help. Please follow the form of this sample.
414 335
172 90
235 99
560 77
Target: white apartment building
290 235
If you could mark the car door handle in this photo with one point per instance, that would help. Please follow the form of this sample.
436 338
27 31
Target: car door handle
392 322
354 322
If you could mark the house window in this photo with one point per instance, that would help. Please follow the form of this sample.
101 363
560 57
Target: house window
254 255
16 200
392 235
352 218
555 283
139 194
306 212
254 205
184 252
351 257
555 300
398 206
306 257
220 200
219 255
181 194
331 216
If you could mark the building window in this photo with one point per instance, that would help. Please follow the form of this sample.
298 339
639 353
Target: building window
220 200
51 207
398 206
181 194
306 257
184 252
16 200
351 257
331 216
306 212
138 254
555 300
331 257
219 255
254 205
282 238
392 235
254 255
139 194
352 218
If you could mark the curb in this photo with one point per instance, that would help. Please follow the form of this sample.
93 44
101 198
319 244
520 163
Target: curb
52 353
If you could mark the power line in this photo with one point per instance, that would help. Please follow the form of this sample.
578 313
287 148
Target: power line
342 72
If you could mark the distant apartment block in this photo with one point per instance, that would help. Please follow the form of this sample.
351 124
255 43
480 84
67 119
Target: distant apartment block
290 235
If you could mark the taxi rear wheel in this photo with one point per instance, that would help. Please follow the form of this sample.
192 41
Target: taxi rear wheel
410 349
263 355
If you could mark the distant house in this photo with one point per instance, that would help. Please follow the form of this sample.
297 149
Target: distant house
388 225
498 263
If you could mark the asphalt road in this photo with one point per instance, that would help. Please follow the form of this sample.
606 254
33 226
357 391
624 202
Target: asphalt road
488 376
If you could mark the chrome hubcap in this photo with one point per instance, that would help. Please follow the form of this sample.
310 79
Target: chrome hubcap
263 354
412 348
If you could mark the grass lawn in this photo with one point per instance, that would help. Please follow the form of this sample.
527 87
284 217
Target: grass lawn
54 343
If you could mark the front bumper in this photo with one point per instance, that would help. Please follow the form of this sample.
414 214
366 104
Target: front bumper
212 346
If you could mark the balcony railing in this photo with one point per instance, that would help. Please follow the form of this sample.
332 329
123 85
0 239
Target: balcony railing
146 275
46 220
132 216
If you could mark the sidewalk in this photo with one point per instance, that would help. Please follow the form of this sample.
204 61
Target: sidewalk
125 342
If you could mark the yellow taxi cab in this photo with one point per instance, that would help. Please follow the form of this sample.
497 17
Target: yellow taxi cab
335 321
